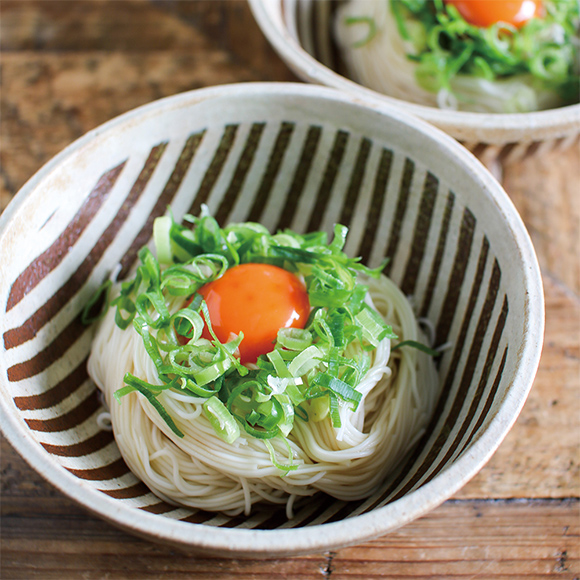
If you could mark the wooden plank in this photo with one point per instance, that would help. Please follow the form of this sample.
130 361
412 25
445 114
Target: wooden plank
461 538
137 26
497 539
69 67
546 191
127 25
490 538
539 457
136 560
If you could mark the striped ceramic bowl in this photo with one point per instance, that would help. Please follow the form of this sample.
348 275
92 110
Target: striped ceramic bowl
300 31
284 155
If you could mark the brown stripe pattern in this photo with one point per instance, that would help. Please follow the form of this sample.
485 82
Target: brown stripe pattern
56 394
374 212
436 266
272 168
53 256
355 183
300 175
240 173
395 234
330 173
167 194
213 171
439 254
17 336
421 230
49 354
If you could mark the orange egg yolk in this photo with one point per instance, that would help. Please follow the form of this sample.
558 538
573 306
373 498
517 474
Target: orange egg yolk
484 13
258 300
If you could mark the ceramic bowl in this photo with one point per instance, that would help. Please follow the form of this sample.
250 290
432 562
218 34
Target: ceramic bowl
300 31
284 155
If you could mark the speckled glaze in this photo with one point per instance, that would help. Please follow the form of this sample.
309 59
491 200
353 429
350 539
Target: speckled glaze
286 23
286 155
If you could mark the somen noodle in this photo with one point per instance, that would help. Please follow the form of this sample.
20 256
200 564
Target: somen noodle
347 456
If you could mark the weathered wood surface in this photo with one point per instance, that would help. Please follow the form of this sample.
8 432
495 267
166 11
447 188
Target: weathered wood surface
539 457
70 66
546 190
46 536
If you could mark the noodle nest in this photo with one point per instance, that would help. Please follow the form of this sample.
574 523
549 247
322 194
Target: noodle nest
382 64
202 471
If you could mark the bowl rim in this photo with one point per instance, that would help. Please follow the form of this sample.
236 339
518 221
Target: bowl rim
269 543
468 127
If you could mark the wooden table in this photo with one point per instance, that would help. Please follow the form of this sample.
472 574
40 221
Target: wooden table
68 67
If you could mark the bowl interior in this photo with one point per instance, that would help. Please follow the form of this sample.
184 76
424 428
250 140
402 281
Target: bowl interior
286 156
301 32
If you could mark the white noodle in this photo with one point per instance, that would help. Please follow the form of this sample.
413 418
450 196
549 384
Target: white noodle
202 471
382 65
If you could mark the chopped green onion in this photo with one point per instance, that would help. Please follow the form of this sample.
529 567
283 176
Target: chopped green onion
195 389
334 410
287 422
100 297
545 48
339 388
419 346
279 365
307 372
305 361
373 326
372 28
221 420
147 391
212 373
188 323
319 408
294 338
282 467
161 235
125 304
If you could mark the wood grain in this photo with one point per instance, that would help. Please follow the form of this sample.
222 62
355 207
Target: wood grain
70 66
546 191
463 539
539 457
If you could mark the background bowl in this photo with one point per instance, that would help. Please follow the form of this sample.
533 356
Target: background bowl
301 32
285 155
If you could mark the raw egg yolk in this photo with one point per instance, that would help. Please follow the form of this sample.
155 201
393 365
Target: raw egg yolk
258 300
484 13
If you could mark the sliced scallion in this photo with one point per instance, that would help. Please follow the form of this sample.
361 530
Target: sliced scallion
221 420
307 372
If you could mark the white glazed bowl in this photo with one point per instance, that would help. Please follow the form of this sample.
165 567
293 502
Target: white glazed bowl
300 32
283 154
